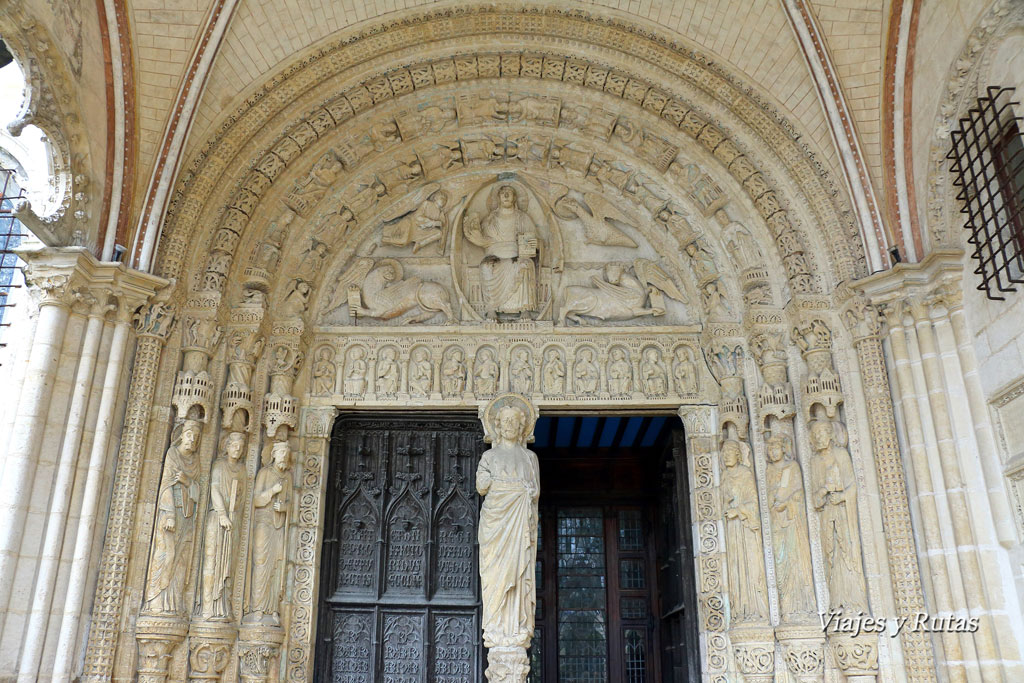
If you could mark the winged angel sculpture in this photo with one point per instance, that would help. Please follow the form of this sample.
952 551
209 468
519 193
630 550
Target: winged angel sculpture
374 288
621 295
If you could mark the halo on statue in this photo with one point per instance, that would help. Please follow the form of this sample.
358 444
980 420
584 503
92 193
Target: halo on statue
518 401
522 198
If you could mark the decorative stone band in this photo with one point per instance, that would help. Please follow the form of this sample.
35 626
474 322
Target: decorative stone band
153 324
566 366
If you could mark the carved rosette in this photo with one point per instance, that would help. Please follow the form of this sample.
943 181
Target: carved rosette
701 429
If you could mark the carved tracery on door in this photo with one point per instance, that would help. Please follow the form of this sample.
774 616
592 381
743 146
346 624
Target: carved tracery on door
399 586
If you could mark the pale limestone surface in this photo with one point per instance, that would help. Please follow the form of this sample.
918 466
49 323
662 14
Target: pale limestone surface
333 244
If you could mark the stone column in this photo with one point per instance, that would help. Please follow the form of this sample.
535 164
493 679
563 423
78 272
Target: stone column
164 619
701 431
97 304
51 276
152 324
315 430
508 477
799 629
917 454
956 468
834 494
865 327
749 618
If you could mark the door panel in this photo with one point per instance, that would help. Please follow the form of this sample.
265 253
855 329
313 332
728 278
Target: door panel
400 596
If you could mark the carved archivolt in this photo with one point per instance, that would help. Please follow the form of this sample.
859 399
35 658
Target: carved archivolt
615 82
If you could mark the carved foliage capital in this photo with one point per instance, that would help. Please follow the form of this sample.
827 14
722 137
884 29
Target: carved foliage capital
699 420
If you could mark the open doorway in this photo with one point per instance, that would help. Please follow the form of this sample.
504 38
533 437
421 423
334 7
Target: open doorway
615 580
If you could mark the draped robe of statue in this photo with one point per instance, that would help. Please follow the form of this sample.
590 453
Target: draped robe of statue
508 270
789 533
271 499
227 485
746 576
174 525
835 498
509 478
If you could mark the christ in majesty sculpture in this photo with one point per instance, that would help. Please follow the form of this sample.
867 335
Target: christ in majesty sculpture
508 270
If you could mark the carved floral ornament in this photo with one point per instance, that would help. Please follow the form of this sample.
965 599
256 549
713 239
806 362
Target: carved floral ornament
61 211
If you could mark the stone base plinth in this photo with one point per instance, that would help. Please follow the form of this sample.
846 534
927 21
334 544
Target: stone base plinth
507 665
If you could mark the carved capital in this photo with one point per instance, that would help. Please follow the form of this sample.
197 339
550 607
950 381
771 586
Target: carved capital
258 648
207 659
49 288
157 637
803 651
812 335
862 319
856 656
200 334
756 661
154 320
699 420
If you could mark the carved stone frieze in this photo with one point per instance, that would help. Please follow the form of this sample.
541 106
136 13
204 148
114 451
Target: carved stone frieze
392 367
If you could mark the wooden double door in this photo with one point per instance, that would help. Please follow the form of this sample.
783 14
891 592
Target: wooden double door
400 596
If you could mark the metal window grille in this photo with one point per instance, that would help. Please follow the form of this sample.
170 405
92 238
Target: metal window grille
987 160
10 237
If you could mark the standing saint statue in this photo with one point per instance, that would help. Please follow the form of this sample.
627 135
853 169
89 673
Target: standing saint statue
510 242
227 485
834 496
788 516
509 479
744 549
271 502
174 526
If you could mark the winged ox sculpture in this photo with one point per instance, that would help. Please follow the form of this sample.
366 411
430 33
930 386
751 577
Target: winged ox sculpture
621 295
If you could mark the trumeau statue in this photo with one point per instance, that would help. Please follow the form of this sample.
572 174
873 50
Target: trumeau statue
834 496
747 585
620 295
227 486
789 531
511 247
174 526
509 479
272 497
